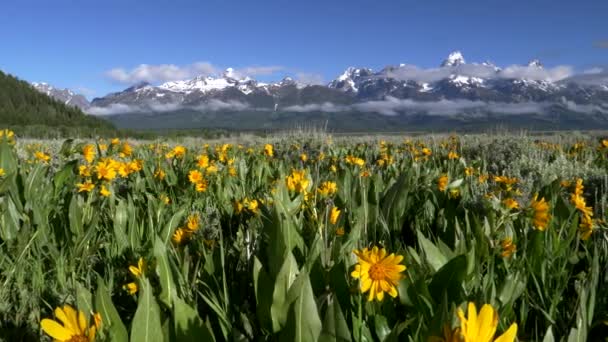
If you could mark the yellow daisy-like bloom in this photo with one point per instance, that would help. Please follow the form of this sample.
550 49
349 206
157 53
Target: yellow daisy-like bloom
297 181
74 329
131 288
340 231
115 141
88 152
303 157
586 227
238 207
212 169
104 191
192 223
453 155
355 161
327 188
268 150
84 170
202 161
427 151
106 169
232 171
126 150
510 203
540 216
180 236
85 187
138 270
41 156
159 174
442 183
508 247
482 328
334 214
378 272
195 176
2 173
201 186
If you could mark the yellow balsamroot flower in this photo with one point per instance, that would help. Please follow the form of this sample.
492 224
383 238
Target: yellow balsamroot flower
377 272
131 288
453 155
334 214
340 231
138 270
159 174
327 188
232 171
85 187
106 169
604 143
333 168
268 150
88 152
202 161
482 178
201 186
508 247
115 141
580 204
123 170
427 152
75 326
165 199
510 203
355 161
238 207
126 150
540 216
180 236
41 156
8 135
104 191
84 170
212 169
252 205
469 171
482 328
195 176
192 223
303 157
297 181
442 183
177 152
2 173
586 227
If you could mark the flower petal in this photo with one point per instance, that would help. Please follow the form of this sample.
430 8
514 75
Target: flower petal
509 335
55 330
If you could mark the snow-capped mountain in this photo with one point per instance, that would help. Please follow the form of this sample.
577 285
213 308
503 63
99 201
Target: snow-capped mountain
454 79
66 96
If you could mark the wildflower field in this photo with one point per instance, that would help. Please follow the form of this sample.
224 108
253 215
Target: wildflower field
294 238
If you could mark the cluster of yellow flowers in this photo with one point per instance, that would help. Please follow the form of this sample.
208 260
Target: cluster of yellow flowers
251 205
177 152
540 213
136 271
183 234
327 188
577 199
352 160
8 135
298 181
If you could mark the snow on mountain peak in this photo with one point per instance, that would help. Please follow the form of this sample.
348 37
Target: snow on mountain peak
535 63
455 58
229 73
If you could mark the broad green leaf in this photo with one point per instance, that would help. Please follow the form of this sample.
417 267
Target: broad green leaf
188 325
110 319
335 328
146 325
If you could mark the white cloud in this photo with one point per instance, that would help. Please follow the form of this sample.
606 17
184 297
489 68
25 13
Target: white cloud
156 107
217 105
171 72
538 74
114 108
593 71
314 107
309 78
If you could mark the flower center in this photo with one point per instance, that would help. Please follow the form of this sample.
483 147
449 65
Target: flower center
78 338
377 272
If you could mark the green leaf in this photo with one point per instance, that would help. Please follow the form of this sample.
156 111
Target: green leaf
303 322
188 325
335 327
146 326
286 276
172 224
163 270
110 319
84 300
433 255
449 279
549 336
382 328
263 287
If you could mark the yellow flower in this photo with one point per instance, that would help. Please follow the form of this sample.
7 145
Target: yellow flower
43 157
74 329
165 199
159 174
180 236
303 157
510 203
238 207
427 151
201 186
192 223
2 173
232 171
442 182
212 169
252 205
297 181
195 176
104 191
540 216
378 273
126 150
202 161
334 214
115 141
84 170
85 187
131 288
268 150
482 178
88 152
482 328
453 155
333 168
355 160
106 169
340 231
138 270
327 188
469 171
586 227
508 247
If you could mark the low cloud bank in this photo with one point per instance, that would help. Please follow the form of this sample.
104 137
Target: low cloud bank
390 106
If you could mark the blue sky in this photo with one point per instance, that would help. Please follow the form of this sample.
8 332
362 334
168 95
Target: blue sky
77 44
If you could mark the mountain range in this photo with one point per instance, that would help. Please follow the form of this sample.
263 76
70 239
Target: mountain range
398 96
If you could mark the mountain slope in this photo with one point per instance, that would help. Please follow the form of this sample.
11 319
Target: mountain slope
66 96
22 105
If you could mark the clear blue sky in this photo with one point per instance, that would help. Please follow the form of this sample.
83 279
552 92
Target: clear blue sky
75 43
